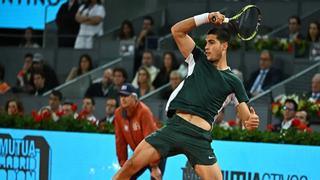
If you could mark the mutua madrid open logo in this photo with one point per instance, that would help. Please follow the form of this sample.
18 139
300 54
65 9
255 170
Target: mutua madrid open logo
24 159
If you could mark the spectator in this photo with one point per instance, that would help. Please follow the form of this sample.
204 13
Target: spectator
169 64
313 32
111 105
120 76
303 117
90 16
67 26
39 83
144 82
289 112
133 122
88 107
126 31
105 88
14 107
55 100
69 109
50 75
147 62
265 77
28 41
314 95
175 80
294 24
84 66
145 33
4 87
24 83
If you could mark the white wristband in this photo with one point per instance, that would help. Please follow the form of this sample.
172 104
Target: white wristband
201 19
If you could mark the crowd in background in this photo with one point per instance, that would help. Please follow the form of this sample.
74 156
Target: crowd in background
78 25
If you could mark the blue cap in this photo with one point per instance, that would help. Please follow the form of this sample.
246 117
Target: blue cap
127 89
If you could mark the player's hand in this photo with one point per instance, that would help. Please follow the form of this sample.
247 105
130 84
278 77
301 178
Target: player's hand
156 173
216 18
253 120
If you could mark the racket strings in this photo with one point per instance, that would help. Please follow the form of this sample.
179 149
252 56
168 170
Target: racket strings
248 23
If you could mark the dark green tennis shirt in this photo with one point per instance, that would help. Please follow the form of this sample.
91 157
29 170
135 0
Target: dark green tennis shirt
205 88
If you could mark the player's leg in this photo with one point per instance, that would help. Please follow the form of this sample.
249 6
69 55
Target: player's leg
208 172
143 155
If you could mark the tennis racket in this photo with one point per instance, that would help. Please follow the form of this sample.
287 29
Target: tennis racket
246 22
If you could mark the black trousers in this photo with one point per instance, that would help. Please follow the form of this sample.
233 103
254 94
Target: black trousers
162 165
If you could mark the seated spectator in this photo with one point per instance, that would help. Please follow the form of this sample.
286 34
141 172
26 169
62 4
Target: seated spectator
265 77
289 112
314 95
84 66
303 117
105 88
294 25
50 75
145 33
313 34
147 62
4 87
88 107
69 109
169 64
175 80
111 105
67 25
28 41
126 31
24 83
314 38
120 76
39 83
144 82
90 16
55 100
14 107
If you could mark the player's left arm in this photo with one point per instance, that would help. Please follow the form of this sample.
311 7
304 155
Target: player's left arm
249 118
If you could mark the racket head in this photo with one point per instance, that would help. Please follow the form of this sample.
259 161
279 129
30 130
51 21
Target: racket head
247 22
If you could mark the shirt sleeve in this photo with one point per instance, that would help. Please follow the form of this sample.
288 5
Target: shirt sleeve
99 12
121 144
240 93
195 55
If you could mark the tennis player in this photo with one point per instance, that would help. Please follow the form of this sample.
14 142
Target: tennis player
193 105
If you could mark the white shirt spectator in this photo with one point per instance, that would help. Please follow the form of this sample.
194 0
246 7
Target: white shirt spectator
87 32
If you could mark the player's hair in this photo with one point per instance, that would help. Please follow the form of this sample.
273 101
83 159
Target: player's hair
223 32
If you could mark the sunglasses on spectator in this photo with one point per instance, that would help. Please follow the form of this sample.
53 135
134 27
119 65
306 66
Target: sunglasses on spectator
287 108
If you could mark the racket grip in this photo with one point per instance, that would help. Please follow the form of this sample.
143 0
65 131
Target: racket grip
225 20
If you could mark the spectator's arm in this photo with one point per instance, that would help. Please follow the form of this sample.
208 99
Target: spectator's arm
80 18
95 20
121 145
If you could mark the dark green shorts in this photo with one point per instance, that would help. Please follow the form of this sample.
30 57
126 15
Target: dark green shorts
181 137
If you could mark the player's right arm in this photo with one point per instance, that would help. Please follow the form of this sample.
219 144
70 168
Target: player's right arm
181 29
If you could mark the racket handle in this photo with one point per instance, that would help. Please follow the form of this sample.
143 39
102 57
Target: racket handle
225 20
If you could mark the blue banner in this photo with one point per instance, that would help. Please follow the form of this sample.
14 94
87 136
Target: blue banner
19 14
29 154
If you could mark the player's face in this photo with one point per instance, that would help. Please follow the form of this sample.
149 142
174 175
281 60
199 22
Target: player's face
214 48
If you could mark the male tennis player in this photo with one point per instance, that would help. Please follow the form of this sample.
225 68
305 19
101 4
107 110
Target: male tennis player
194 103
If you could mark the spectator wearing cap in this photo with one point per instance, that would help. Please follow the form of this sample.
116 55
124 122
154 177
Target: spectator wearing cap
133 122
38 64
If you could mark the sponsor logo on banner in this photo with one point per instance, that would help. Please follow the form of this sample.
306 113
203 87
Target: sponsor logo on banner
242 175
27 158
